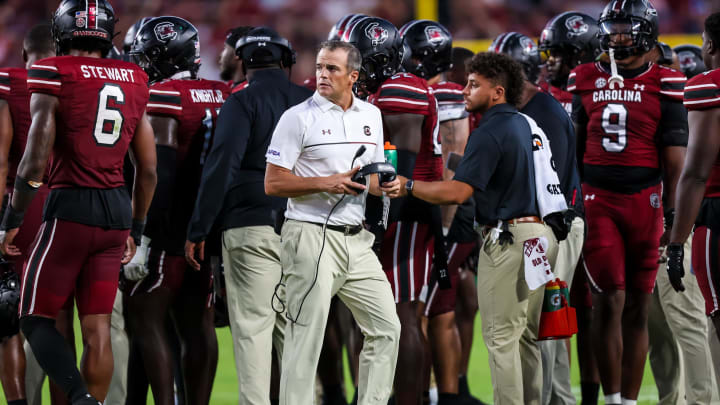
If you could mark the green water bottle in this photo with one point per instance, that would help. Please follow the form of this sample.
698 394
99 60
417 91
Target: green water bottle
391 154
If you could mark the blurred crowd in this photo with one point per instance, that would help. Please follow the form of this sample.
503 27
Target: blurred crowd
307 22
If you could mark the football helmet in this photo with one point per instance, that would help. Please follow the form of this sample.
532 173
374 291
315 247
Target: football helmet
343 24
381 47
9 302
166 45
691 60
522 49
91 22
430 46
132 32
572 34
263 46
636 20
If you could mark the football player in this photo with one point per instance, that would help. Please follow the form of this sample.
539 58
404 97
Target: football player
700 180
132 32
86 111
632 132
231 69
690 59
15 117
410 118
428 47
182 109
568 40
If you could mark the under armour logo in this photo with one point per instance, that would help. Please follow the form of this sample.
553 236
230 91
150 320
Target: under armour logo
589 197
640 87
326 132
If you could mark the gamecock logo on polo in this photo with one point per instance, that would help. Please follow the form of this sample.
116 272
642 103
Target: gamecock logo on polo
376 33
576 26
165 31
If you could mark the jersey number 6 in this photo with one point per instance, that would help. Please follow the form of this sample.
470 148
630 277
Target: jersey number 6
614 124
109 120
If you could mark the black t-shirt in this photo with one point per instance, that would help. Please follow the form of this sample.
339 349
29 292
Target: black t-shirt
498 164
552 118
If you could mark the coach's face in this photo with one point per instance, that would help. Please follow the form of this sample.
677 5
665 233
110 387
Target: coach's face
480 93
334 80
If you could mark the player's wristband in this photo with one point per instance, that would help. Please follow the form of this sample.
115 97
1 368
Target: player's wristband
669 216
138 226
12 219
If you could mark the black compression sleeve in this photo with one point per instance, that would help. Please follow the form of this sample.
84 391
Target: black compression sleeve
673 127
160 206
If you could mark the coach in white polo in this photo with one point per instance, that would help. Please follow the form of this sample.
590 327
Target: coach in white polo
314 147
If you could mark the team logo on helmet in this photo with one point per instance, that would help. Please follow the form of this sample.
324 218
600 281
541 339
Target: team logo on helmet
376 33
576 26
600 82
165 31
687 60
434 34
528 46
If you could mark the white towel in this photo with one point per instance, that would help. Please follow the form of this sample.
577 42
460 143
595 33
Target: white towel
547 185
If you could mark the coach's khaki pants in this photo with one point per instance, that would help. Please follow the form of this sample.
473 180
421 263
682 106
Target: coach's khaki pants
349 268
510 315
251 256
556 388
117 392
678 340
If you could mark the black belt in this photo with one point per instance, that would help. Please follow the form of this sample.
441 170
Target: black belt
347 230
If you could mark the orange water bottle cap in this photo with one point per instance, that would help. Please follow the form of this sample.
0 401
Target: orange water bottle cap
390 146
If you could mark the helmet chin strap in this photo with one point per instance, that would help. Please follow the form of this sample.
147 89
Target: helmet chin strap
615 78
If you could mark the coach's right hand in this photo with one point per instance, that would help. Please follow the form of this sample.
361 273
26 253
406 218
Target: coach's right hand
675 252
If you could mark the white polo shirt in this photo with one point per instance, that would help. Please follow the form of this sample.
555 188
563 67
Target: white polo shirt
316 138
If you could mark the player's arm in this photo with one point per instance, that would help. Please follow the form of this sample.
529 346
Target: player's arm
144 159
6 135
165 130
404 131
580 121
41 138
453 137
702 151
673 136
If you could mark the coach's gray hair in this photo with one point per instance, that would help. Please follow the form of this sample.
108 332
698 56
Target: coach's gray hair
354 59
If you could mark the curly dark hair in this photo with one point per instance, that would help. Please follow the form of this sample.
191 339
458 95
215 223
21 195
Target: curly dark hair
502 71
712 28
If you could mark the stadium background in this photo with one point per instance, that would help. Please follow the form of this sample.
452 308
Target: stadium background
305 23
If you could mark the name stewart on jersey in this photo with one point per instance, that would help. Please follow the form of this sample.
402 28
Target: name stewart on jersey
207 96
107 73
617 95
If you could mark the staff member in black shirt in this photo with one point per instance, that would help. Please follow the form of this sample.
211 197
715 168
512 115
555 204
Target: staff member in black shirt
497 169
232 195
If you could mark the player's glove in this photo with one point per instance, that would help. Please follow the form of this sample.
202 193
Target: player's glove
675 252
137 268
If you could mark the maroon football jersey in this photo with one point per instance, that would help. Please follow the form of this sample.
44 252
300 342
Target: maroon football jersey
195 104
702 92
13 89
406 93
623 122
564 97
101 104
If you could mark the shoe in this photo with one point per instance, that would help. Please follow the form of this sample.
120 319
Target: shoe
337 399
471 400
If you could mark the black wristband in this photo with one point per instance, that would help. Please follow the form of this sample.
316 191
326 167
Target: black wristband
136 232
669 216
678 248
12 219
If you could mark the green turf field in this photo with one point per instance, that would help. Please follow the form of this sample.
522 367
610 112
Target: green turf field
225 388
